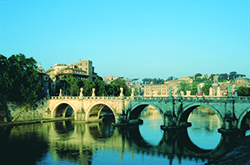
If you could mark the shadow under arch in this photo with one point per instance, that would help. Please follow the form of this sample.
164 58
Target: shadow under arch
190 149
189 108
177 142
244 120
63 109
133 135
100 111
100 131
136 110
64 129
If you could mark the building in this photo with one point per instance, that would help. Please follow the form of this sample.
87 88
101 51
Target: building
81 70
153 90
109 79
241 82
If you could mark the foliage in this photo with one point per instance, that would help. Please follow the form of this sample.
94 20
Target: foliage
223 77
206 87
99 86
19 80
184 86
72 86
197 75
194 88
87 86
243 91
170 78
117 84
154 80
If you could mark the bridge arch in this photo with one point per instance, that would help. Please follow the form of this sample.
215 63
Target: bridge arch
95 110
183 117
136 109
244 116
60 109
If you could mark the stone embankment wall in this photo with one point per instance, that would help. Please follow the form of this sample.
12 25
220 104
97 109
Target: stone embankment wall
38 112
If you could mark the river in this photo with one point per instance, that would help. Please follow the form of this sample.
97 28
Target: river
70 142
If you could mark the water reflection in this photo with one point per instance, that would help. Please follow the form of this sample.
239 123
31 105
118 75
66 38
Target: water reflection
22 144
204 130
152 120
96 143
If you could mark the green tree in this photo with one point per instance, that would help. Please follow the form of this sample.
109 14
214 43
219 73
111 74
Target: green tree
23 79
99 86
184 86
117 84
197 75
170 78
4 79
194 88
87 86
72 86
223 76
19 81
243 91
206 87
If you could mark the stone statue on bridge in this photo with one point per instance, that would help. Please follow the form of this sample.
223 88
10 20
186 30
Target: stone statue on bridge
121 93
132 92
60 94
81 90
93 92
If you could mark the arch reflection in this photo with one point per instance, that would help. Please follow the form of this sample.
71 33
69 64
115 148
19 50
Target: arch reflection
101 130
176 143
204 120
64 129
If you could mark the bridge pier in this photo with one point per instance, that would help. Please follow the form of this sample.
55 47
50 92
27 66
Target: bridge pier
122 120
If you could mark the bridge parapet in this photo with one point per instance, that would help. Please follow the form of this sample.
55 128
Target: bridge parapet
174 109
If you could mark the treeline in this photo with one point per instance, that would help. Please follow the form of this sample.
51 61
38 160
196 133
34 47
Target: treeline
71 86
184 86
222 77
154 80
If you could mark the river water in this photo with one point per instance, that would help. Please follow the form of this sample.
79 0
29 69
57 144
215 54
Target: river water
69 142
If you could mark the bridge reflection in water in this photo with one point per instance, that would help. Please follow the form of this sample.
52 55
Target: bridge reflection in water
96 143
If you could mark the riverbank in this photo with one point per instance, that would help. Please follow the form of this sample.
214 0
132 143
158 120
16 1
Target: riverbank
239 154
5 124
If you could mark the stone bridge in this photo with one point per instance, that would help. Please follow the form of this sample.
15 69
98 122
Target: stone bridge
233 112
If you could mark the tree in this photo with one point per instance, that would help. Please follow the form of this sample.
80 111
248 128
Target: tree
99 86
23 78
72 86
194 88
87 86
223 76
184 86
117 84
206 87
4 79
19 81
232 75
170 78
243 91
197 75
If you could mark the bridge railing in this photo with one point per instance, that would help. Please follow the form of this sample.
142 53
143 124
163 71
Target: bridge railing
187 98
88 97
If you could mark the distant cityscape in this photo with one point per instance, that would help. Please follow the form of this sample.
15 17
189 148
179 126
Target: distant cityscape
84 70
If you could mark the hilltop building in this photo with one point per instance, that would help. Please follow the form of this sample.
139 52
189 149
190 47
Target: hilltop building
80 70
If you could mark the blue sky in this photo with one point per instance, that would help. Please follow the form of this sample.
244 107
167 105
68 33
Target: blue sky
134 39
